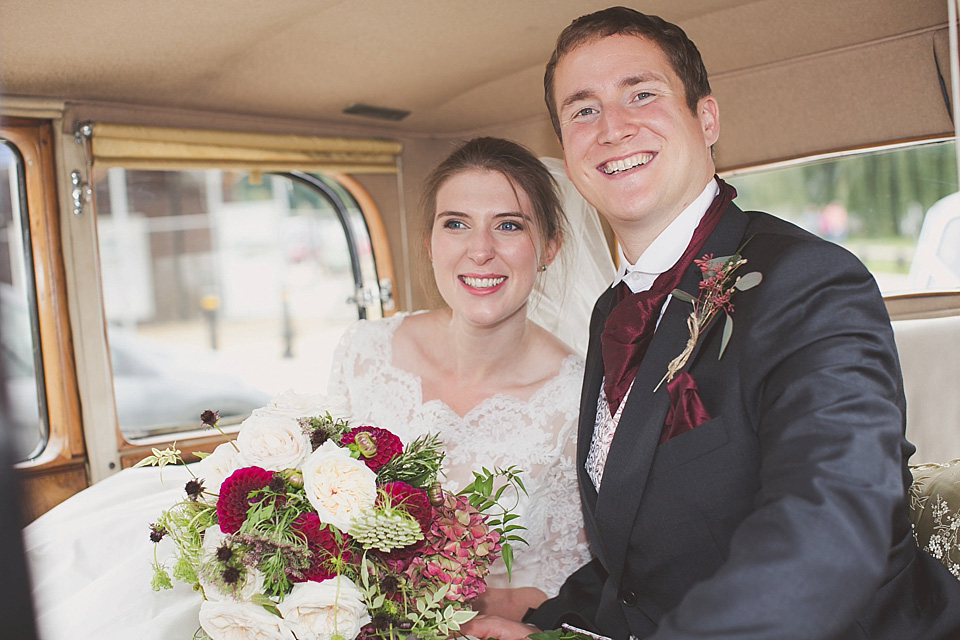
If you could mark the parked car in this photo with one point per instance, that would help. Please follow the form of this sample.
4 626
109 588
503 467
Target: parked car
936 263
157 389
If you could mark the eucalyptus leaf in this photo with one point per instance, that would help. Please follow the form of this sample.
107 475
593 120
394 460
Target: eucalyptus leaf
727 332
717 263
748 281
680 294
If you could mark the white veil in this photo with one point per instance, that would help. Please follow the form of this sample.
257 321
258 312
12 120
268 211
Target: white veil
568 289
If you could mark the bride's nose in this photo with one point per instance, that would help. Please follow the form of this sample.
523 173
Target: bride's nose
481 246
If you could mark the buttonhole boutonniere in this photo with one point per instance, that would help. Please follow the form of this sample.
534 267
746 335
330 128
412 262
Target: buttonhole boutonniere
716 287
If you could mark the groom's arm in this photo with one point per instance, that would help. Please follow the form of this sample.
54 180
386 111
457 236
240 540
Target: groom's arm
819 367
577 602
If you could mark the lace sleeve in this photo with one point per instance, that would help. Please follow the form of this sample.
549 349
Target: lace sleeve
566 547
343 364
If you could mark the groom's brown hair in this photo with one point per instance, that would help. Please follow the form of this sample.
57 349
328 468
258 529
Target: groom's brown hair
680 51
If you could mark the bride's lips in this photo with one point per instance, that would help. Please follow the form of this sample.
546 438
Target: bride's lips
482 284
625 164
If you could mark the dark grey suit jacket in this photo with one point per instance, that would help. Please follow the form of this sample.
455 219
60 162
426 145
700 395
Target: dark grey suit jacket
785 515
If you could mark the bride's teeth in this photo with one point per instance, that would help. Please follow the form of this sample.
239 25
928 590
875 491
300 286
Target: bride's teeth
482 283
616 166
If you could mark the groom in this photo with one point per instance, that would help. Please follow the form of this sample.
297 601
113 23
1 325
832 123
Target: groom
760 491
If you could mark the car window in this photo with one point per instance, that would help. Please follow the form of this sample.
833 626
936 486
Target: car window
894 208
22 366
221 288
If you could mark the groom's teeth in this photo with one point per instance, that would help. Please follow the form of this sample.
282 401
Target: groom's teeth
616 166
482 283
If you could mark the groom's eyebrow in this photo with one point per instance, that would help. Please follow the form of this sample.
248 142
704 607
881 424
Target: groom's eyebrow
583 94
624 83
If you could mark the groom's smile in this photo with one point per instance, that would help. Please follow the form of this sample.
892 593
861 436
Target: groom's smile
631 143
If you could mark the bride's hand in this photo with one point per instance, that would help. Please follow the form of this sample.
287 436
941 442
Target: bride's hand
496 627
511 604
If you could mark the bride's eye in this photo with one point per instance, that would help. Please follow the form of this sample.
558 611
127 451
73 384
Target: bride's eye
454 224
510 225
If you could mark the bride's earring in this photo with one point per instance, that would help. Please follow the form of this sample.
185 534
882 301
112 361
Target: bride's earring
543 268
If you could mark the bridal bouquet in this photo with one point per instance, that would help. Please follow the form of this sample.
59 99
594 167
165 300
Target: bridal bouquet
304 528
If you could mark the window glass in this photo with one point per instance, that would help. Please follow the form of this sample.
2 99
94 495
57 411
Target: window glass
369 298
895 208
19 328
221 288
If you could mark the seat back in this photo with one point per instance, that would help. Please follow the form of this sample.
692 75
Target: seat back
935 511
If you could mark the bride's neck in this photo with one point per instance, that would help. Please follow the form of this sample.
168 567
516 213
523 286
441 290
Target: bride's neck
477 352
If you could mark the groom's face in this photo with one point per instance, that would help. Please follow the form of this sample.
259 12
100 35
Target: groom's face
632 146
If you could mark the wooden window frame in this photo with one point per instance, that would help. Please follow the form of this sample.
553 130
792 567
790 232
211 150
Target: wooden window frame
60 470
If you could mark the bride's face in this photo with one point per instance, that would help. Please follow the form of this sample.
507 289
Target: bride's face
484 246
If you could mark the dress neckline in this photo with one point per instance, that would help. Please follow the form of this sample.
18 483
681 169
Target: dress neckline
566 366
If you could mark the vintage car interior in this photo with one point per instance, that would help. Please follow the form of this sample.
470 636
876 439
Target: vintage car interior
193 189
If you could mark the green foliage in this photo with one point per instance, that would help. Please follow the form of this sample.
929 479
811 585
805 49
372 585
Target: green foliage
184 571
327 424
268 531
170 455
418 464
161 579
432 620
486 494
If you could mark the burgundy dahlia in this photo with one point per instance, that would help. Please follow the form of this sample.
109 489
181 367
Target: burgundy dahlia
235 496
414 501
387 445
324 546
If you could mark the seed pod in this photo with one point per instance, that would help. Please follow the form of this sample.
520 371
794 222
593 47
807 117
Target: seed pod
365 444
435 493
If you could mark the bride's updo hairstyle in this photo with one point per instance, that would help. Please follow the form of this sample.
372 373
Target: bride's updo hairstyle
524 171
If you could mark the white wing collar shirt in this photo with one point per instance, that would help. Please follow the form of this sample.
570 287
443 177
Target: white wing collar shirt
662 254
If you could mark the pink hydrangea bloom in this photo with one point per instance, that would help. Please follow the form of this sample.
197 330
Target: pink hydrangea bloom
458 550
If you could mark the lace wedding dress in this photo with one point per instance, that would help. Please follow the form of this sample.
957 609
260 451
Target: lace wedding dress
538 435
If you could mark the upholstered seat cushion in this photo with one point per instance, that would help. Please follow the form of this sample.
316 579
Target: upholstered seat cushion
935 511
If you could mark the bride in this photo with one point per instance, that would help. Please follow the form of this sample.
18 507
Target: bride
498 388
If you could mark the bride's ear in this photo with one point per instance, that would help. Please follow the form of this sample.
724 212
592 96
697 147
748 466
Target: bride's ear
550 251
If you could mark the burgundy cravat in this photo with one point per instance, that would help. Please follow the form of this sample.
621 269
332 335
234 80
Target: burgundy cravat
629 327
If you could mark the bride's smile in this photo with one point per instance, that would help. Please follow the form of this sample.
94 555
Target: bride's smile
485 247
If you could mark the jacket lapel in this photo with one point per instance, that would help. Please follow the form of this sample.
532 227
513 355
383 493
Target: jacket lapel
592 381
634 445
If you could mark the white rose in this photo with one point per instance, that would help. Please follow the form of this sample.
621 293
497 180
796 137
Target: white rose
322 610
303 405
251 581
218 466
339 487
272 442
229 620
